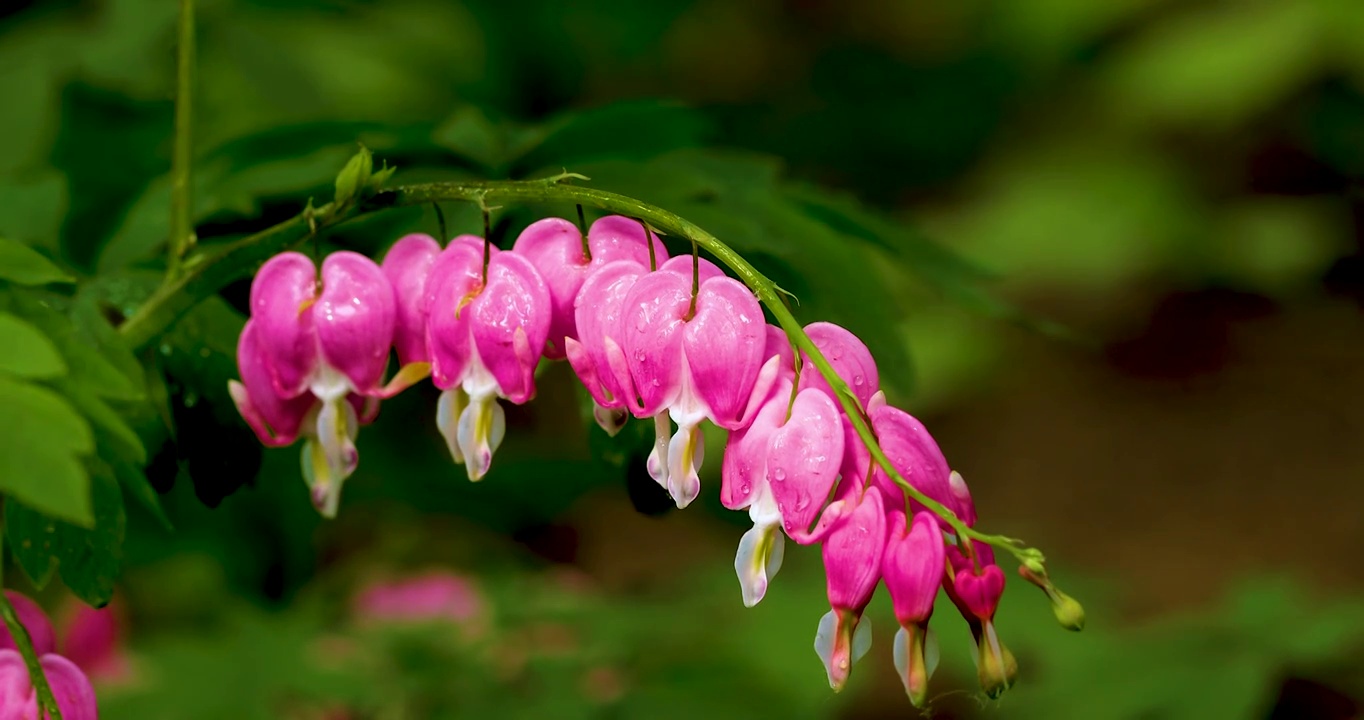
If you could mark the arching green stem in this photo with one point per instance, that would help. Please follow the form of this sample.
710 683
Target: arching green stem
212 273
22 640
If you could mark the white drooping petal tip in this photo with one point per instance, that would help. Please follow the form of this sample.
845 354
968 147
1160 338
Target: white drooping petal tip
759 558
448 410
686 451
482 425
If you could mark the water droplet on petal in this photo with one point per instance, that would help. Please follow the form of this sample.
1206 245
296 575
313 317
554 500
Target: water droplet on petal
778 474
639 356
745 488
858 380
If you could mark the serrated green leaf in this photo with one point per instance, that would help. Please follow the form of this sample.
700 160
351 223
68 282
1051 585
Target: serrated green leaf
26 351
135 483
22 264
42 441
87 559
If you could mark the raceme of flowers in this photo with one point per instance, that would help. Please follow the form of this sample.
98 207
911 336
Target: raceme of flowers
668 340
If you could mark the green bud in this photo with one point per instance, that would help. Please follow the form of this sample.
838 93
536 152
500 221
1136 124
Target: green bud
354 176
380 178
996 667
1068 611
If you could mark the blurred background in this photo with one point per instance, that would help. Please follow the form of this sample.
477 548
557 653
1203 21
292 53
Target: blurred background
1110 253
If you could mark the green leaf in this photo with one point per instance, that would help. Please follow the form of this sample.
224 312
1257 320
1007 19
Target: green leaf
113 435
42 441
473 136
86 559
87 366
22 264
625 130
354 176
136 485
26 352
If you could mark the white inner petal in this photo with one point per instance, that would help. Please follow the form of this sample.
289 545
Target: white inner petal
448 409
861 639
824 643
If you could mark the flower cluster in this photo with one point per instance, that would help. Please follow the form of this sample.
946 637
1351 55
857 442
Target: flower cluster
671 340
801 449
70 686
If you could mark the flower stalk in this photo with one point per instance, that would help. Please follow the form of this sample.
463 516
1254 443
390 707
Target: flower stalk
210 273
181 212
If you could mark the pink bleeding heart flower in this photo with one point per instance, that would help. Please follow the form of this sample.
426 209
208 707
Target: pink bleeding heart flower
312 361
407 265
691 360
913 568
853 363
93 639
853 549
917 457
975 586
19 698
438 596
781 468
597 312
485 334
34 621
556 248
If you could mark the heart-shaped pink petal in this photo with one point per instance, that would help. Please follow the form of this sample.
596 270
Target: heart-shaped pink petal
852 553
555 247
913 565
509 321
355 317
456 275
724 343
616 237
275 420
850 358
597 313
651 329
803 463
282 294
408 265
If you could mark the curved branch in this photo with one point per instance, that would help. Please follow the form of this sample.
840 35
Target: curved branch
210 275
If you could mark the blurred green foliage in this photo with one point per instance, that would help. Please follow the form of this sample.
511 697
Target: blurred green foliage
1062 147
